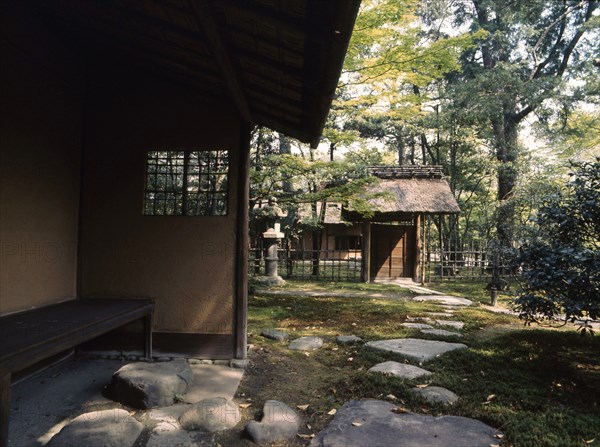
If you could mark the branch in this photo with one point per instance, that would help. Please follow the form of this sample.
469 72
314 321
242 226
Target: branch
562 20
592 5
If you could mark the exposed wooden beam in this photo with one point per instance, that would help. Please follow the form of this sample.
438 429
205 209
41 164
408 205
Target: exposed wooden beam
204 18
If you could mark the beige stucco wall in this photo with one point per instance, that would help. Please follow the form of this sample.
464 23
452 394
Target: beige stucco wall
185 263
40 143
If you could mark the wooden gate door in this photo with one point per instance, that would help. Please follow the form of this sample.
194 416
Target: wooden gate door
392 251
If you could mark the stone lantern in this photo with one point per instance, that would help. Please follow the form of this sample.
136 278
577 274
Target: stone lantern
271 239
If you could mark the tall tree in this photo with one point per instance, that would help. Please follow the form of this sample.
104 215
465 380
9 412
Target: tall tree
524 64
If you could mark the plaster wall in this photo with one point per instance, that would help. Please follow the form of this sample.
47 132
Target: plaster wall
40 145
187 264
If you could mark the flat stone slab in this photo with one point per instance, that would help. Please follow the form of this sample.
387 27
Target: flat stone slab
435 394
425 320
444 299
306 343
447 314
275 334
413 348
348 339
417 326
373 423
401 370
451 323
279 422
106 428
441 332
171 435
150 385
212 415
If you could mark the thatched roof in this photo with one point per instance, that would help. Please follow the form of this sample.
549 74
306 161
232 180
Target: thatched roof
411 189
418 195
402 190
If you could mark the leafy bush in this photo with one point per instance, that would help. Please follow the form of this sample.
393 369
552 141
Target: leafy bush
561 264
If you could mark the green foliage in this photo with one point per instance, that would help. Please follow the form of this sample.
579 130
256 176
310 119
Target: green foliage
562 264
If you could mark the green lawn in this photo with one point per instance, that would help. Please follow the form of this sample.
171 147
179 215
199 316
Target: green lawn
540 387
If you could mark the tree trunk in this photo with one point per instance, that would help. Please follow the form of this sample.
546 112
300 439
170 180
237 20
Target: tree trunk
506 133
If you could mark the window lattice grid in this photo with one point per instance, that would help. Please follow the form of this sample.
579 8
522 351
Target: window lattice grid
190 183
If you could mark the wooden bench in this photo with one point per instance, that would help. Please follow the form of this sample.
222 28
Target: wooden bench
29 337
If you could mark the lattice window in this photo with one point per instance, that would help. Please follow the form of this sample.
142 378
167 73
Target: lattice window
186 183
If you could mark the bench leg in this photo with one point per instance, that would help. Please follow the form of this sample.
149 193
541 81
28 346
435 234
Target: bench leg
148 336
4 408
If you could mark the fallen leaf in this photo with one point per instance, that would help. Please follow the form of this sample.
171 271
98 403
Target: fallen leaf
334 349
590 441
498 436
302 407
425 385
399 410
490 397
307 354
357 423
332 412
494 445
309 426
247 405
391 397
350 359
301 436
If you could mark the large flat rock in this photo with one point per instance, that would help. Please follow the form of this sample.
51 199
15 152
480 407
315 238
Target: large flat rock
373 423
441 332
444 299
401 370
310 343
451 323
417 325
150 385
279 422
106 428
211 415
413 348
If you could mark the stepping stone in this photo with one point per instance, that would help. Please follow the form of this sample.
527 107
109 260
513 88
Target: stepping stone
401 370
373 423
441 314
106 428
435 394
279 422
425 320
413 348
169 434
150 385
348 339
451 323
274 334
211 415
306 343
444 299
441 332
417 325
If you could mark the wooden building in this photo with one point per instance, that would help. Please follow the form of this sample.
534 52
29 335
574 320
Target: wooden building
124 142
390 242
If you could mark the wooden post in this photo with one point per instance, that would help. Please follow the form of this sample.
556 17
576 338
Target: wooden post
148 336
4 408
366 252
241 252
417 248
424 250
